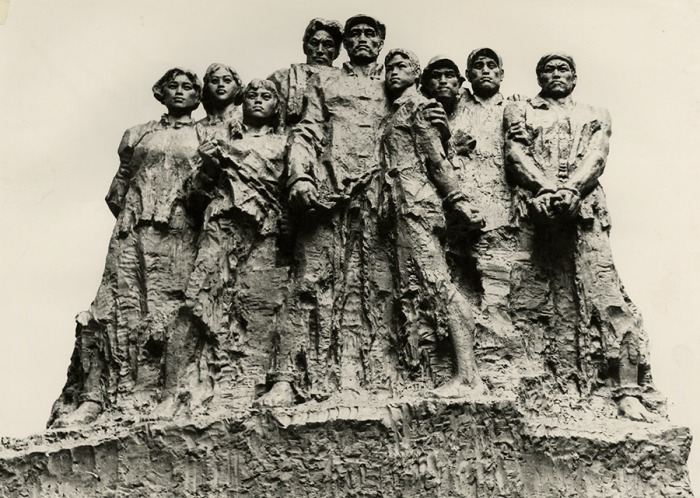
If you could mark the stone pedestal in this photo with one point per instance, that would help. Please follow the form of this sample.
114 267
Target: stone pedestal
410 447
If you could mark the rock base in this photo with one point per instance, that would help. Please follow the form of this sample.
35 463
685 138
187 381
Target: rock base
404 448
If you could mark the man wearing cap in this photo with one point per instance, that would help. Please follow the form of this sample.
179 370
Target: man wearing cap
417 185
340 298
556 150
321 44
475 120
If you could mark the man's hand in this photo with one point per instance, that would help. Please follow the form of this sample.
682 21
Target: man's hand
434 113
567 205
304 196
543 204
468 216
463 143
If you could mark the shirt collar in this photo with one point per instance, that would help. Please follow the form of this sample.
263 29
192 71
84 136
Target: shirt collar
495 100
540 102
242 129
375 73
176 125
222 118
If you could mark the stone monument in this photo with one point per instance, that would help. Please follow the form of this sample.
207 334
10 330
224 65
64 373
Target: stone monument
359 281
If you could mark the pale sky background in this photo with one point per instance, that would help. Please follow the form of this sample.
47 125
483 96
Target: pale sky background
75 74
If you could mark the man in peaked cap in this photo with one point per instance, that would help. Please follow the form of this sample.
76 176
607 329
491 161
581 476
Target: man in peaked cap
321 44
420 188
441 80
475 118
556 150
332 161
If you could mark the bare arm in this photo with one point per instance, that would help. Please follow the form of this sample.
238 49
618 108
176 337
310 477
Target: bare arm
120 184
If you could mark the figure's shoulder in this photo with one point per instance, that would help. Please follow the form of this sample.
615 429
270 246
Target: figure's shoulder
323 75
134 134
143 127
598 113
516 108
412 103
279 77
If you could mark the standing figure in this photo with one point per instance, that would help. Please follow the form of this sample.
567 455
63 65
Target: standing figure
321 44
236 288
487 263
418 180
338 304
556 150
120 341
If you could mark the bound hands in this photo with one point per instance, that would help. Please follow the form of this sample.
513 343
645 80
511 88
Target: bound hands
564 204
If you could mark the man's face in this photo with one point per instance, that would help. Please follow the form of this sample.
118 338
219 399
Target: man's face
221 86
399 74
443 83
320 49
557 79
485 75
363 43
259 104
179 94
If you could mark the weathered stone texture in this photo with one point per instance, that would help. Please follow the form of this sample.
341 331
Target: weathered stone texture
408 448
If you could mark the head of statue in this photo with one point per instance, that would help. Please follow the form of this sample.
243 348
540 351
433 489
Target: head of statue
222 86
180 90
363 39
441 80
556 75
485 72
402 70
261 103
322 41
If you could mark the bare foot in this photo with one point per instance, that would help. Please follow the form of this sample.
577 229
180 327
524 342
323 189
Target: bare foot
281 394
456 388
632 408
85 414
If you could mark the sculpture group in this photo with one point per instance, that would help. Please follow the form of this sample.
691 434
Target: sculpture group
348 234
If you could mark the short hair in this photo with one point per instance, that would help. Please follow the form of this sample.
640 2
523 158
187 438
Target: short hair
332 27
409 56
555 55
363 19
207 97
265 84
268 85
170 75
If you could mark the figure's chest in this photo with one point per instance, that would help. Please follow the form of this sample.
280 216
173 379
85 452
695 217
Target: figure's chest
167 148
359 102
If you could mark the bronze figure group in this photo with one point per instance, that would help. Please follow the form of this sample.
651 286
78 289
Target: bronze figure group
360 233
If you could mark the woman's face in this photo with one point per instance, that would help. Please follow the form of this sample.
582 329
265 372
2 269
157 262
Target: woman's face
221 86
179 94
259 104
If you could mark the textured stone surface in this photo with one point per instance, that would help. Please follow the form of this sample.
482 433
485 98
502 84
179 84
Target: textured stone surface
399 297
409 447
